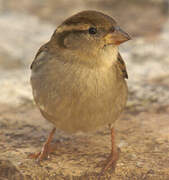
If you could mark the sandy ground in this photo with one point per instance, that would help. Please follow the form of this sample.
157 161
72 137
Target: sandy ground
142 137
142 132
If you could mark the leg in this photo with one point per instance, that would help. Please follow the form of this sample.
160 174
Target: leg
114 156
45 149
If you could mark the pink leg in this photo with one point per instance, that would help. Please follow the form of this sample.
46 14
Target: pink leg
114 156
46 149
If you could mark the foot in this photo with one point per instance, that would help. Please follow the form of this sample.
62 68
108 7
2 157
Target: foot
46 150
114 156
43 154
111 161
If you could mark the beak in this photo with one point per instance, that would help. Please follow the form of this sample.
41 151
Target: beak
117 36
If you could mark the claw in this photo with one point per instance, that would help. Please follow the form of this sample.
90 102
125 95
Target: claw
46 150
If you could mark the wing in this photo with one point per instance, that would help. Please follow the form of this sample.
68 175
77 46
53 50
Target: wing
40 56
122 66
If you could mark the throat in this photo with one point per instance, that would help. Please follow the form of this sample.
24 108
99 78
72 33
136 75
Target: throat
100 59
104 58
109 55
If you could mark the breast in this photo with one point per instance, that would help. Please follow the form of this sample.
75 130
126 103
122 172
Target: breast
79 100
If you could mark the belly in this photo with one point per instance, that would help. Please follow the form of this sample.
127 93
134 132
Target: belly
81 104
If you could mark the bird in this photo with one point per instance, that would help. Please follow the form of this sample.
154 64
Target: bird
78 78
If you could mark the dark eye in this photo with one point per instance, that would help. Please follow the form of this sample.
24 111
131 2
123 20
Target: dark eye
92 30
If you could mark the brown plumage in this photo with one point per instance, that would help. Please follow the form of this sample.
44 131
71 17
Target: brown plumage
78 77
122 66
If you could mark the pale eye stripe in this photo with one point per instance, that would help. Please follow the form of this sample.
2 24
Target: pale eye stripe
78 27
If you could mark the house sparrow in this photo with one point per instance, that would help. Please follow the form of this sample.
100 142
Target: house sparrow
78 77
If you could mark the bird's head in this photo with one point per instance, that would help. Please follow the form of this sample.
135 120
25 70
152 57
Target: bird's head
88 33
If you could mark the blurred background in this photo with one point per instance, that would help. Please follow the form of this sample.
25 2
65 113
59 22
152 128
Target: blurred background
26 25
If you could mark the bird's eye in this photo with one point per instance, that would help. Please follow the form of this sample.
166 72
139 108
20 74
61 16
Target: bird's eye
92 30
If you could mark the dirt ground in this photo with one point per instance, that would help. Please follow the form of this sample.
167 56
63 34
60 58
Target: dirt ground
142 132
142 137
